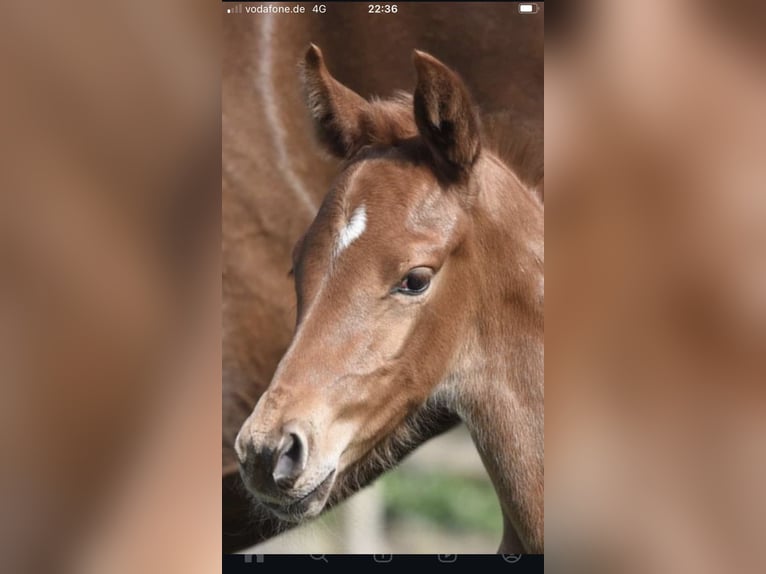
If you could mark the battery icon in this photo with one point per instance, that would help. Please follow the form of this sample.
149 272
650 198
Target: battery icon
528 8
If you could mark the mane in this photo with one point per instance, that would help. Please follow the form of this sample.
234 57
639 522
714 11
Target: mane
518 142
390 121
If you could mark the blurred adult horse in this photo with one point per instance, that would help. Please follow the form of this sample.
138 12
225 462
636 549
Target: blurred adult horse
273 180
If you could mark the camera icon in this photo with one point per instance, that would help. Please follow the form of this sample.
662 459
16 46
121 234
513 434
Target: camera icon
511 558
447 558
382 558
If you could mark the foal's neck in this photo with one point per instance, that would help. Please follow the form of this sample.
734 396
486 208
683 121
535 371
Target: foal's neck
499 382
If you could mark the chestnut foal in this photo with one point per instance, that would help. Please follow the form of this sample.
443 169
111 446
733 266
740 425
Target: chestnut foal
420 294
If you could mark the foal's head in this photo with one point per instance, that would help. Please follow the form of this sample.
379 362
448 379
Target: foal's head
386 277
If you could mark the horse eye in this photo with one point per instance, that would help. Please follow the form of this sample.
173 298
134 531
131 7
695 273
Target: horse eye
416 281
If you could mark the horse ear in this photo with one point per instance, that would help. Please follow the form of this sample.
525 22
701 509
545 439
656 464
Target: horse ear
445 115
337 111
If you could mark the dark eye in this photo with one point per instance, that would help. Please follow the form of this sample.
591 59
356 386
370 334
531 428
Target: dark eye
416 281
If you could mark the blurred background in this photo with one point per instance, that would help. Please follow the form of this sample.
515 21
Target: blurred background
110 288
656 286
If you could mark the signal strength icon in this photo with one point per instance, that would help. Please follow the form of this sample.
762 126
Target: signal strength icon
236 10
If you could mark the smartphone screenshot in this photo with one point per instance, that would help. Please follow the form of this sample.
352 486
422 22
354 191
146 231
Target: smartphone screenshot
380 315
383 283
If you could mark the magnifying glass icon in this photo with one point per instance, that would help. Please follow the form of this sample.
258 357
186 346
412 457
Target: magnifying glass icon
319 557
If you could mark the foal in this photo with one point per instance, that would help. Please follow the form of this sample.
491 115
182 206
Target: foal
420 302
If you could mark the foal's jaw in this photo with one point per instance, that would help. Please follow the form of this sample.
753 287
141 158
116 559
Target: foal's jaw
299 508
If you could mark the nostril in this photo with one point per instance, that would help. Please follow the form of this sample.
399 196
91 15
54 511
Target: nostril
291 459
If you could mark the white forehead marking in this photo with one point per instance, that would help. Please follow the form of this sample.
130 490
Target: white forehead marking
356 225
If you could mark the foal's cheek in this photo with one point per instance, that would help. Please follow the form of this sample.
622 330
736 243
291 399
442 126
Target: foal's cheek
390 342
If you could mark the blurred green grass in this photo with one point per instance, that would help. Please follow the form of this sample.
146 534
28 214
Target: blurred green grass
454 503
